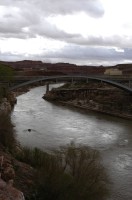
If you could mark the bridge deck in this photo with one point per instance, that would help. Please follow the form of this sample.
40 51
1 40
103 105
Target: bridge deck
77 77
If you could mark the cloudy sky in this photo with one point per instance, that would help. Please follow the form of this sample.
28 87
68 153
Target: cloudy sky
97 32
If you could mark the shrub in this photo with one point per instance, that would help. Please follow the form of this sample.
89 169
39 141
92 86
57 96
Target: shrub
34 157
3 91
6 72
73 173
7 133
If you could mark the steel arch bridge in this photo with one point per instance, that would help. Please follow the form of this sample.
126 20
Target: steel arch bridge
75 78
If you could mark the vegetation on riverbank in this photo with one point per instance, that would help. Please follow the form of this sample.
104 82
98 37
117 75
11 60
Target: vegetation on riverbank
68 173
7 133
6 76
6 73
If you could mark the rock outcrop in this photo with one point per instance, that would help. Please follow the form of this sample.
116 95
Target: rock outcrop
16 178
7 103
12 98
8 192
96 97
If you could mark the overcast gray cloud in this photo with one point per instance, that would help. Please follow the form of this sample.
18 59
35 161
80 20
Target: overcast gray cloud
29 19
91 53
111 41
22 19
23 26
77 54
49 7
8 56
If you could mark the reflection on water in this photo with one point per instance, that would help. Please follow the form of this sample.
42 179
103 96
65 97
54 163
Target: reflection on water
52 126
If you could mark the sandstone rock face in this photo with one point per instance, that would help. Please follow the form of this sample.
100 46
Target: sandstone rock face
5 106
16 178
12 98
8 192
8 172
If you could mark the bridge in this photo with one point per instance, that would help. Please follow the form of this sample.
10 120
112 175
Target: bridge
72 78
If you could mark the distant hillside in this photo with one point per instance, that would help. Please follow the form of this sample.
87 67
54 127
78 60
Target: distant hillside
125 68
29 67
65 68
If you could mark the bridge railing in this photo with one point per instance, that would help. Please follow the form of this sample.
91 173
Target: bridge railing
94 75
120 77
73 78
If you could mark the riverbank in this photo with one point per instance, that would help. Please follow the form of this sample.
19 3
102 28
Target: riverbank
97 98
88 108
8 102
12 184
26 88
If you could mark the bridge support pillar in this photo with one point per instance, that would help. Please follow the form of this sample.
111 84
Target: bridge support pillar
47 88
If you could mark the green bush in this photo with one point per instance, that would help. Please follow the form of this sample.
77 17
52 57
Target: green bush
34 157
7 133
73 173
3 91
6 73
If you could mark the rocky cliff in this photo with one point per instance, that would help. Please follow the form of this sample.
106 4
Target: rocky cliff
8 192
16 178
94 96
8 102
7 162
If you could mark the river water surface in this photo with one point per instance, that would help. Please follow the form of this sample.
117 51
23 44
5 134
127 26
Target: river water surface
54 125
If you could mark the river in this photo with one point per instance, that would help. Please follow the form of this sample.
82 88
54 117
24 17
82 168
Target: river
55 125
